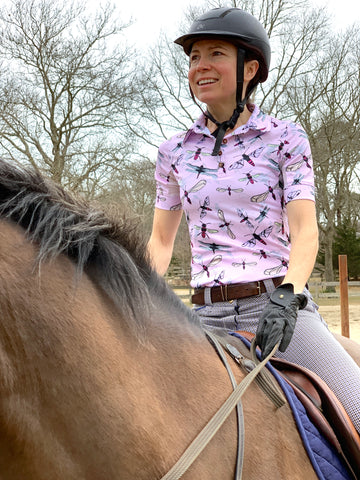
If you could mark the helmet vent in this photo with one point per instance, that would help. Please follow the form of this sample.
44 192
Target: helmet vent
226 12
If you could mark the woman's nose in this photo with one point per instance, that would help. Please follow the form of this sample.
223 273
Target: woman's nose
203 64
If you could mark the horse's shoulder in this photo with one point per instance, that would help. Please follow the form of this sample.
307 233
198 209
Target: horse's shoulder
351 346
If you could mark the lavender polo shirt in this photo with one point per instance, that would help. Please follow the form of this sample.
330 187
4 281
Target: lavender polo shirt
235 203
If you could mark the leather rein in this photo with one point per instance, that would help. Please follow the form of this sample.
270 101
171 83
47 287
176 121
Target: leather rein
234 400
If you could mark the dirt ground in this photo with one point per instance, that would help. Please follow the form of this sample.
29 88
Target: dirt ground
332 316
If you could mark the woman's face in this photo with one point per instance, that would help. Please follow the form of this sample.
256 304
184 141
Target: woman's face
212 72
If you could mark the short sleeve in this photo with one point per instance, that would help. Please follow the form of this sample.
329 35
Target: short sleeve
167 188
297 166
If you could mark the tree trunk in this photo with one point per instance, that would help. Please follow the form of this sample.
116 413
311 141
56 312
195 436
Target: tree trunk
328 250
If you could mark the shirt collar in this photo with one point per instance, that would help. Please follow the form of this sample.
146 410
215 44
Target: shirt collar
258 121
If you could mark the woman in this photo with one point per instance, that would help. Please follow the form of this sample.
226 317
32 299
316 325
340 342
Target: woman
245 182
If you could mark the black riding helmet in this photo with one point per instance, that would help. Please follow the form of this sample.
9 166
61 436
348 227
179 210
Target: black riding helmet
244 31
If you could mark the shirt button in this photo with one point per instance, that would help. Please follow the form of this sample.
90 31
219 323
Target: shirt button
220 153
225 140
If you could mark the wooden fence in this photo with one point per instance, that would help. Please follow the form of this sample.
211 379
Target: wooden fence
326 289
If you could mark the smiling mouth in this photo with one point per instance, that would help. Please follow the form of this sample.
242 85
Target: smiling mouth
206 81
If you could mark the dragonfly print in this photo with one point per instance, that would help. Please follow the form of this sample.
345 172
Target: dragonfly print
225 225
206 267
195 188
258 237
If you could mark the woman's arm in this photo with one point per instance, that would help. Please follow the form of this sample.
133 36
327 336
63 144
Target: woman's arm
161 242
278 319
304 242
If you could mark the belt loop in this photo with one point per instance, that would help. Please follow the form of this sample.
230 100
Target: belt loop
269 285
207 296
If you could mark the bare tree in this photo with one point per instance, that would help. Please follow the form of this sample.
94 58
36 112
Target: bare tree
165 106
133 189
64 87
326 102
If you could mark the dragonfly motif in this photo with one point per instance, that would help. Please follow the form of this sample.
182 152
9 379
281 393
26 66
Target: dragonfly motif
200 169
277 269
225 224
244 264
263 196
229 190
244 217
195 188
258 237
205 268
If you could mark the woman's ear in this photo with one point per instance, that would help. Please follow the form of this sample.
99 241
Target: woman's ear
250 69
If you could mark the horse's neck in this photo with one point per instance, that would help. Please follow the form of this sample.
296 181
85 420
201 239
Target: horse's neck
82 397
78 388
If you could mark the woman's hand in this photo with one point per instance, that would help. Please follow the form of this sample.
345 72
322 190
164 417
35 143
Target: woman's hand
278 319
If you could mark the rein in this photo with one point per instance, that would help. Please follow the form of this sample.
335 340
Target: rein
208 432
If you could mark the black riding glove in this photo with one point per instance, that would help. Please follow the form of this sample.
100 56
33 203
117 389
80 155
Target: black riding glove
277 321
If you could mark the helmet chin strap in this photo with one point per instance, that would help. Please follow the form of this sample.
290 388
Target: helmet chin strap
222 127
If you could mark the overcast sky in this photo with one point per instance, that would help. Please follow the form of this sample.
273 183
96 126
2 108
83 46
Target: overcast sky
154 16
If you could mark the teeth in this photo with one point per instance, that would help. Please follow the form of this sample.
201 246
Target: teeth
204 82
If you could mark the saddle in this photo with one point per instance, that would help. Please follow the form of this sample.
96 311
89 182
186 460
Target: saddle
323 409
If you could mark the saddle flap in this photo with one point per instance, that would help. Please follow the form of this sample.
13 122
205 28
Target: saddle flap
330 418
322 407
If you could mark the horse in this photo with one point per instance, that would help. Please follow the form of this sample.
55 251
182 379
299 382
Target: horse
105 374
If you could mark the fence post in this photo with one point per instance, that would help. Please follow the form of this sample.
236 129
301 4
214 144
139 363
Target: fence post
344 295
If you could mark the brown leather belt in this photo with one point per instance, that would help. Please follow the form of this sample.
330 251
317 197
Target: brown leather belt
227 293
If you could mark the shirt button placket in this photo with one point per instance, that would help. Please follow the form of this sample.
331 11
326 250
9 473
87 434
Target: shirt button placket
221 164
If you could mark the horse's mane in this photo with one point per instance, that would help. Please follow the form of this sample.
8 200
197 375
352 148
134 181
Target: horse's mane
112 251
